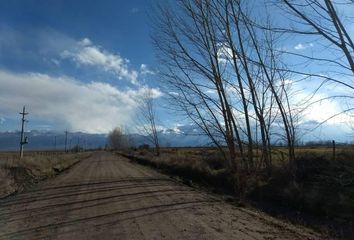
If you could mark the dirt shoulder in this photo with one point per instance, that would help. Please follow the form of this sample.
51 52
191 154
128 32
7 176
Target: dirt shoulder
18 174
109 197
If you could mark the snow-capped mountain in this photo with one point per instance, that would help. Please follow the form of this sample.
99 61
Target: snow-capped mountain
181 136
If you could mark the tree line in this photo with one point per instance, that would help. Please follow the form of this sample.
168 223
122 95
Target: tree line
223 64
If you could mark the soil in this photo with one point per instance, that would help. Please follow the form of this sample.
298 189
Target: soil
108 197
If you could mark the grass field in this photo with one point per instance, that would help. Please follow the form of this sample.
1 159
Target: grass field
16 174
211 157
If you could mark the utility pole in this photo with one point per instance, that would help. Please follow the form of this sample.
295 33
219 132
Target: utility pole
24 139
66 140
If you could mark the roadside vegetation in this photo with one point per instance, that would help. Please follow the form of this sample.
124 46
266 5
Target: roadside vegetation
226 67
320 195
17 174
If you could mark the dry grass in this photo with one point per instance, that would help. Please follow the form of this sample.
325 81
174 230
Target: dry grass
204 159
210 158
323 187
16 174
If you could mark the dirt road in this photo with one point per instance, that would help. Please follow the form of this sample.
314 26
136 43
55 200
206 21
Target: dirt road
107 197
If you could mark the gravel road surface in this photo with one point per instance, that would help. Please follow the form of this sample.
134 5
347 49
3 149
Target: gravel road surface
109 197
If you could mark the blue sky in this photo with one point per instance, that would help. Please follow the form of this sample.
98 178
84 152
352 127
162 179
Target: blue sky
101 49
78 65
120 26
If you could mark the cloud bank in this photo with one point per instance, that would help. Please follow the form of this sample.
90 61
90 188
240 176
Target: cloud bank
93 107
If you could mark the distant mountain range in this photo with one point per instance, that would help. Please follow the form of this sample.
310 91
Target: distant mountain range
49 140
180 136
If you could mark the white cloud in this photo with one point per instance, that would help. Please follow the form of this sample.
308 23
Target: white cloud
319 107
155 93
301 46
325 110
49 47
94 107
173 93
55 61
224 52
145 129
145 70
85 53
85 42
210 91
320 111
137 94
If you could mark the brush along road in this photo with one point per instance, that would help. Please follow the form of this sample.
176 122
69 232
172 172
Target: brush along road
108 197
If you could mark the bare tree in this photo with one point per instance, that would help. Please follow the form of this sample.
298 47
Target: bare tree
146 118
223 73
190 51
117 139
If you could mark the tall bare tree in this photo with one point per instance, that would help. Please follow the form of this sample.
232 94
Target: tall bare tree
222 72
146 118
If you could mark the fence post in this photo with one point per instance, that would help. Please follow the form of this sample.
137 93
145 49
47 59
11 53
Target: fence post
333 150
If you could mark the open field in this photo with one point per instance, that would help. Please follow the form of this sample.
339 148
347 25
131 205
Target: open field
210 159
109 197
16 174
